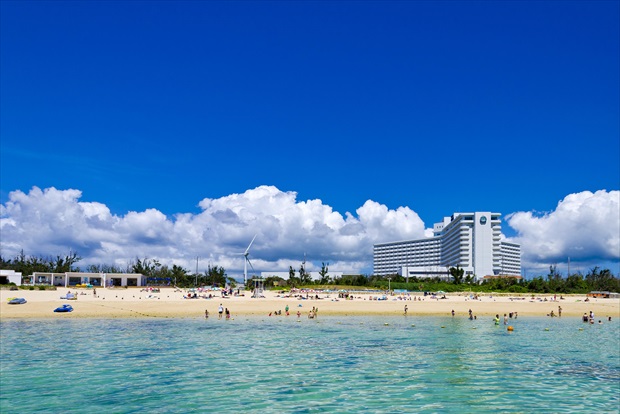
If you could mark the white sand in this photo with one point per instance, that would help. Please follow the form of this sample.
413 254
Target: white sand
132 302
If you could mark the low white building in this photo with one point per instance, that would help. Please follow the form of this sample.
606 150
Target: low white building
10 276
81 278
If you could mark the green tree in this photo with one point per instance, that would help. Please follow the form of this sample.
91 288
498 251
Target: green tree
323 272
538 284
554 280
145 267
575 283
304 277
352 280
273 281
602 280
179 275
64 264
152 269
216 276
231 281
103 268
457 274
292 279
29 265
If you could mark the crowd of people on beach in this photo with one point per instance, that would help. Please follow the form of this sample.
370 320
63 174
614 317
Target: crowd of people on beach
472 317
223 312
311 315
587 318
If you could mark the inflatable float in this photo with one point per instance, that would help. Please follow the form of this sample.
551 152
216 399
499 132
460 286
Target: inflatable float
64 308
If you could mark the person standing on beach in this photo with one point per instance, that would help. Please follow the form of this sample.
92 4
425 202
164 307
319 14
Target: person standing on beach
405 310
206 313
220 310
559 311
227 314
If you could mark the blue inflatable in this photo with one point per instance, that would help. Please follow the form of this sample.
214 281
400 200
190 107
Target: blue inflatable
64 308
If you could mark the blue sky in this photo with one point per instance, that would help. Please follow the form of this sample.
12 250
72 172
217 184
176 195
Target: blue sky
430 107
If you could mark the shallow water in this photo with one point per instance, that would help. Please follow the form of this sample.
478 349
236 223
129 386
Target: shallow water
332 364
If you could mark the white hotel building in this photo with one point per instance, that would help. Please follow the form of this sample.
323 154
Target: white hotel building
469 240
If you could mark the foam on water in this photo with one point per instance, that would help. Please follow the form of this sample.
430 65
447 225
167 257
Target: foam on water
332 364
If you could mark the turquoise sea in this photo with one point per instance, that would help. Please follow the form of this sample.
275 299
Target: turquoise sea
327 365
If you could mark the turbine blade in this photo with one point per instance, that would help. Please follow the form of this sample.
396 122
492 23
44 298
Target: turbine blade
250 263
250 245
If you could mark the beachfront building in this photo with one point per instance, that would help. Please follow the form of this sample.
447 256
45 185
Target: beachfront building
471 241
68 279
10 276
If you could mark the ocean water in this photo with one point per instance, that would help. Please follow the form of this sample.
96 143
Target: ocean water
327 365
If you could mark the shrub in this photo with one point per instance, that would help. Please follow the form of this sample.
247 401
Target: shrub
517 289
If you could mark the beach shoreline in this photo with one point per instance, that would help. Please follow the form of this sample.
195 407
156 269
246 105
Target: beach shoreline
170 303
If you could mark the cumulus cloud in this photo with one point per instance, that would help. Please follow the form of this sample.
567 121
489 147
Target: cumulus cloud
584 226
51 221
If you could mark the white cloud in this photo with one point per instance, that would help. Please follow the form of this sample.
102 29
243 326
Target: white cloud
49 222
584 226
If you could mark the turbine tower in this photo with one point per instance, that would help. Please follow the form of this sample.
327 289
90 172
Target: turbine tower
246 261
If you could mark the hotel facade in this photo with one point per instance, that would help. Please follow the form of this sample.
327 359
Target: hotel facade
471 241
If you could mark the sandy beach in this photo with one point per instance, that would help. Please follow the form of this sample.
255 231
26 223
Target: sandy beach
170 302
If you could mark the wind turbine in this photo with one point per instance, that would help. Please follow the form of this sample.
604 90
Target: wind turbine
246 261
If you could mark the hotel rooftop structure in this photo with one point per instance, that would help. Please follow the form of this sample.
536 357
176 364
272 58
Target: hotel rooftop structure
471 241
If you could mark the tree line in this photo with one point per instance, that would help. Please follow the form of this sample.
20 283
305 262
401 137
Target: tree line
27 265
596 279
